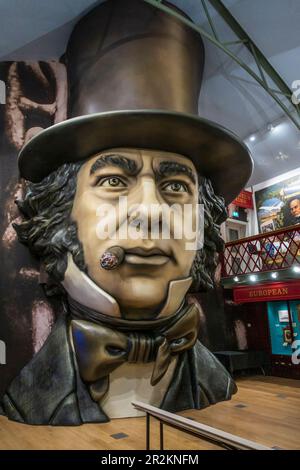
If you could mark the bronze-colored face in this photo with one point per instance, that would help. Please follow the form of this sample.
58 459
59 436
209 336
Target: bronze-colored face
145 177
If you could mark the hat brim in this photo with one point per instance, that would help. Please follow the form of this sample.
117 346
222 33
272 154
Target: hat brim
216 152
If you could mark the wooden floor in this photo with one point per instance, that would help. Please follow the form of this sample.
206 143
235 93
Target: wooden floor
265 410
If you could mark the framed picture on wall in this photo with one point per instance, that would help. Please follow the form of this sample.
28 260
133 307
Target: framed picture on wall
298 311
287 335
283 316
278 205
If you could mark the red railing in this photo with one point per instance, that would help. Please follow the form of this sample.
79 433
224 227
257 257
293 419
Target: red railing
265 252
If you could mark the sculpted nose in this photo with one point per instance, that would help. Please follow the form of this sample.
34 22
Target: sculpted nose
148 207
149 193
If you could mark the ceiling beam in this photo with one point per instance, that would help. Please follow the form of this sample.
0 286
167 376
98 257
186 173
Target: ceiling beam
265 70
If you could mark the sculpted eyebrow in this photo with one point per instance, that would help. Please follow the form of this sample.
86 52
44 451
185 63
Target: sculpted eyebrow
170 168
120 161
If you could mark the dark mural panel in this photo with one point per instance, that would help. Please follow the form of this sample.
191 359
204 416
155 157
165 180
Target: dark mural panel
26 314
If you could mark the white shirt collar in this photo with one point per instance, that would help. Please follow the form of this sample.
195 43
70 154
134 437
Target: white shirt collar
82 289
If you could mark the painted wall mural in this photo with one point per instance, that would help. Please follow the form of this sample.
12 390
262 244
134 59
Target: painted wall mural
34 93
97 321
278 205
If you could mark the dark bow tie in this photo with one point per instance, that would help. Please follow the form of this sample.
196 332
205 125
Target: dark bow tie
100 350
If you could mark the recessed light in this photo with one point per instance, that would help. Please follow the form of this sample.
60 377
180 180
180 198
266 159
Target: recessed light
296 269
252 138
253 278
274 275
236 279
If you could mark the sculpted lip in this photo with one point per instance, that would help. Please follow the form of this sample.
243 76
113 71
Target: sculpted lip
145 252
153 256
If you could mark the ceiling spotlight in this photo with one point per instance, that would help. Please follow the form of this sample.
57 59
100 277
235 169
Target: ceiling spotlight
274 275
271 128
252 138
236 279
296 269
253 278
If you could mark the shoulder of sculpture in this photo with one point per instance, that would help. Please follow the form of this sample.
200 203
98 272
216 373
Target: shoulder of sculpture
211 375
44 383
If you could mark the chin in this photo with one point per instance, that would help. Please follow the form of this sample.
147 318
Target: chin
141 294
140 303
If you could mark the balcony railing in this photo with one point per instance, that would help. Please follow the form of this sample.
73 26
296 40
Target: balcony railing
269 251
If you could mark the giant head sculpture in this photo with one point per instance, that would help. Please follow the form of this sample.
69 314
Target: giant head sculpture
97 213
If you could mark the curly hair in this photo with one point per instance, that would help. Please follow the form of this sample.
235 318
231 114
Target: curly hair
207 258
47 228
49 232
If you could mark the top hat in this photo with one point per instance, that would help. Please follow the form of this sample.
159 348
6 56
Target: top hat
134 76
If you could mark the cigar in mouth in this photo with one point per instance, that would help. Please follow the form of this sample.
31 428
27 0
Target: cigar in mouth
112 258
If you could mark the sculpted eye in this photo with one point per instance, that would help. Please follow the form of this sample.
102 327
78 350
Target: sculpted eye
175 187
112 182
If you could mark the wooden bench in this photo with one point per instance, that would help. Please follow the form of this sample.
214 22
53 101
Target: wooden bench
243 360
